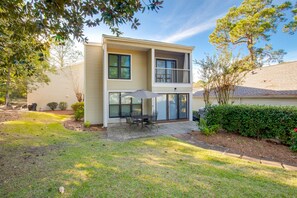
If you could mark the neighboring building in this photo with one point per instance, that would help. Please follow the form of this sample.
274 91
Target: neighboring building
60 89
119 65
271 85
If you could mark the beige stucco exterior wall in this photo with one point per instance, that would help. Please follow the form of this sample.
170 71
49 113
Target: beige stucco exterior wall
139 69
199 103
94 84
60 88
172 89
139 76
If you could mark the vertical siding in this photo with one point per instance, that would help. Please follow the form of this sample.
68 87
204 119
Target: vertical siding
93 84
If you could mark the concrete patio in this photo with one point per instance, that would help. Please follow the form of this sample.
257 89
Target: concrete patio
123 131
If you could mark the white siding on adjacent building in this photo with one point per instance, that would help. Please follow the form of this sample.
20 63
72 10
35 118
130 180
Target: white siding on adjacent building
60 88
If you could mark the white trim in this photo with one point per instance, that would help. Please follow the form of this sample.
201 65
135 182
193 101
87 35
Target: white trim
153 65
190 106
85 84
93 44
191 68
170 92
105 95
187 85
131 68
146 42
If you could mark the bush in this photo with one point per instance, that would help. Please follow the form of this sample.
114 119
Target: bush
87 124
293 146
78 109
255 120
77 105
207 130
2 101
52 105
63 105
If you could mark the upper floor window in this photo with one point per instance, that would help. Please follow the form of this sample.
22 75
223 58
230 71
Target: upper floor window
119 66
165 70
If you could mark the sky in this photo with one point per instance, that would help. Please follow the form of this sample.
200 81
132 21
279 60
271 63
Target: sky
190 22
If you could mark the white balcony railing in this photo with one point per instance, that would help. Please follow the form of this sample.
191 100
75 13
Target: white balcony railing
170 75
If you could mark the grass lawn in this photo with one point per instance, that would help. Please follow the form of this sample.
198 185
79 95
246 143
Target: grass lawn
37 156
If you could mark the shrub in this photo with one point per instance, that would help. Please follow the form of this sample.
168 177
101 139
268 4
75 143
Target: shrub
78 109
255 120
293 146
2 101
63 105
87 124
52 105
77 105
207 130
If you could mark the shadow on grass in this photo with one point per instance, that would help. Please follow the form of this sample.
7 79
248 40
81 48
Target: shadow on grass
88 166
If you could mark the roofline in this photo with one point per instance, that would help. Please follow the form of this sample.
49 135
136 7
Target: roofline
146 42
278 64
93 44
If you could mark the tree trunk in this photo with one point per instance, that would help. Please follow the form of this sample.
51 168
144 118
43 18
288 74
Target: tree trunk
8 81
250 46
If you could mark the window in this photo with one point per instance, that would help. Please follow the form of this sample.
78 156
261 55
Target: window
165 71
119 66
123 106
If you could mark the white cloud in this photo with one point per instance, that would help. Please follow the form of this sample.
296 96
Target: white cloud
186 33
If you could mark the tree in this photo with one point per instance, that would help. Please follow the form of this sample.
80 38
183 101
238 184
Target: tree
63 55
291 27
253 21
205 71
63 18
221 74
21 62
28 27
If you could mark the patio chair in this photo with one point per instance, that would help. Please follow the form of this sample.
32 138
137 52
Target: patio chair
131 121
154 121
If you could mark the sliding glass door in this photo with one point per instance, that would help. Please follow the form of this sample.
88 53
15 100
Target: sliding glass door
162 107
183 106
172 106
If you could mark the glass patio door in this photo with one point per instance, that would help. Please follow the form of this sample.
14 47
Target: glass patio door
172 106
183 106
162 107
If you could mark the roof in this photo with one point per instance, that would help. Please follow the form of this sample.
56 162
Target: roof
145 42
270 81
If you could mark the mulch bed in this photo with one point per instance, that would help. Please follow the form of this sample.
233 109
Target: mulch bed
235 143
79 126
9 115
60 112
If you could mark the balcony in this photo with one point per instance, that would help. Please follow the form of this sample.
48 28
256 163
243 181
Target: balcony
170 75
172 67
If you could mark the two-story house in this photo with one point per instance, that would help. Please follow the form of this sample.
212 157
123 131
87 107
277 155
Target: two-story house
121 65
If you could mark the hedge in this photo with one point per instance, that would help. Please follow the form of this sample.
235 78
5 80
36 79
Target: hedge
255 120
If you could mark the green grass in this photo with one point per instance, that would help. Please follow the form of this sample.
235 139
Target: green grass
37 156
